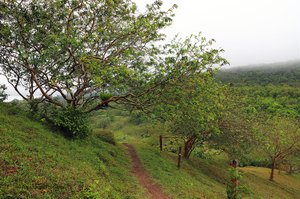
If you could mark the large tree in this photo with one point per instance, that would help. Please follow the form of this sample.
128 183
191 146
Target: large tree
92 53
77 49
85 55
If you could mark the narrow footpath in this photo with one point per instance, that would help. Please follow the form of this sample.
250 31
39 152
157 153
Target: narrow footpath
152 189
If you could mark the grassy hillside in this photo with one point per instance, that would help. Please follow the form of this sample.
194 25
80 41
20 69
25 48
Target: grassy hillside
198 177
36 162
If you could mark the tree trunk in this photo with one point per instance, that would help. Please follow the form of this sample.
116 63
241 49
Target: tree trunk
272 169
188 147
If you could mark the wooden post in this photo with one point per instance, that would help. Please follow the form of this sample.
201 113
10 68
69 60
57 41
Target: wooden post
234 180
179 157
160 143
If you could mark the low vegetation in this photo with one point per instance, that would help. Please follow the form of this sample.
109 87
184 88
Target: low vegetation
204 176
38 162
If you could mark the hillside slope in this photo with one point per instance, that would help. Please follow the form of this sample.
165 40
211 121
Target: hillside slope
198 177
36 162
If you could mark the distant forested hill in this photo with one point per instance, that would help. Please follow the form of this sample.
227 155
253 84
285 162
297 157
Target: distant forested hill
278 73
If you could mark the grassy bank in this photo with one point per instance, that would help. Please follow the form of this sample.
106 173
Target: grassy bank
198 177
37 162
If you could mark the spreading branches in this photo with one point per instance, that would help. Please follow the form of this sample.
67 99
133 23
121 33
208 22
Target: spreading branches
71 52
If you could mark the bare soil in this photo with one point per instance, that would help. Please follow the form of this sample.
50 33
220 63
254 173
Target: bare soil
152 189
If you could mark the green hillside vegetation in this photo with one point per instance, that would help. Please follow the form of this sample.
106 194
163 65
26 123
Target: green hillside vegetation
100 83
38 162
273 88
205 175
264 74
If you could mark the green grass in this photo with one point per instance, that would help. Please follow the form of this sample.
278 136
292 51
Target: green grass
198 178
187 182
39 163
283 186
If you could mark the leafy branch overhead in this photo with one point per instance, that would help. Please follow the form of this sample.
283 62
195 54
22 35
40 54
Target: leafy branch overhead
84 50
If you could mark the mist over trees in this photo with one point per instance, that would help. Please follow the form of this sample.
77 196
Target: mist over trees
276 74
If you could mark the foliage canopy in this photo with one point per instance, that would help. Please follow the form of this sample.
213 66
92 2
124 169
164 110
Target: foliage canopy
84 50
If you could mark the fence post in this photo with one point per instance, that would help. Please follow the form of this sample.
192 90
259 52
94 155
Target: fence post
160 143
234 180
179 157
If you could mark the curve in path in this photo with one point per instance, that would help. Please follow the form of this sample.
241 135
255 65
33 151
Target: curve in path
153 190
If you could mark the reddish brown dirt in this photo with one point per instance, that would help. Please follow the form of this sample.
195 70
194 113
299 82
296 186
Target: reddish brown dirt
153 190
9 170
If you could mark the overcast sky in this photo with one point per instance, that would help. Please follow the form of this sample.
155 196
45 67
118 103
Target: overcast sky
250 31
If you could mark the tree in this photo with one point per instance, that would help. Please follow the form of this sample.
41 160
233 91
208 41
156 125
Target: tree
3 96
93 53
77 49
236 125
86 55
192 109
279 138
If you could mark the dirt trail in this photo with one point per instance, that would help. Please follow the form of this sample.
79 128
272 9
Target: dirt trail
153 190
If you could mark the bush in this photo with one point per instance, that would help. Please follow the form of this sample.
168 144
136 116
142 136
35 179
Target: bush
106 136
137 118
105 122
72 122
254 161
234 188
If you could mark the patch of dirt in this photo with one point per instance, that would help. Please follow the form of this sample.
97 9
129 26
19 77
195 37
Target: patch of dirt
153 190
9 170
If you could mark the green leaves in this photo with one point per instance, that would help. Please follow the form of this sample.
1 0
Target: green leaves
77 49
72 122
192 106
3 96
82 46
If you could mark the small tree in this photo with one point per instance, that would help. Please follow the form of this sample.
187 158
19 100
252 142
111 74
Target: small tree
193 110
236 124
3 95
279 137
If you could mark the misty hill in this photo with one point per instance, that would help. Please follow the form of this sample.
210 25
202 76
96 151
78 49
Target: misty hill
264 74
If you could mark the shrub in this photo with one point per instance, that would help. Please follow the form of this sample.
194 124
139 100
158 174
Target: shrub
254 161
105 122
137 118
106 136
72 122
105 96
234 189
